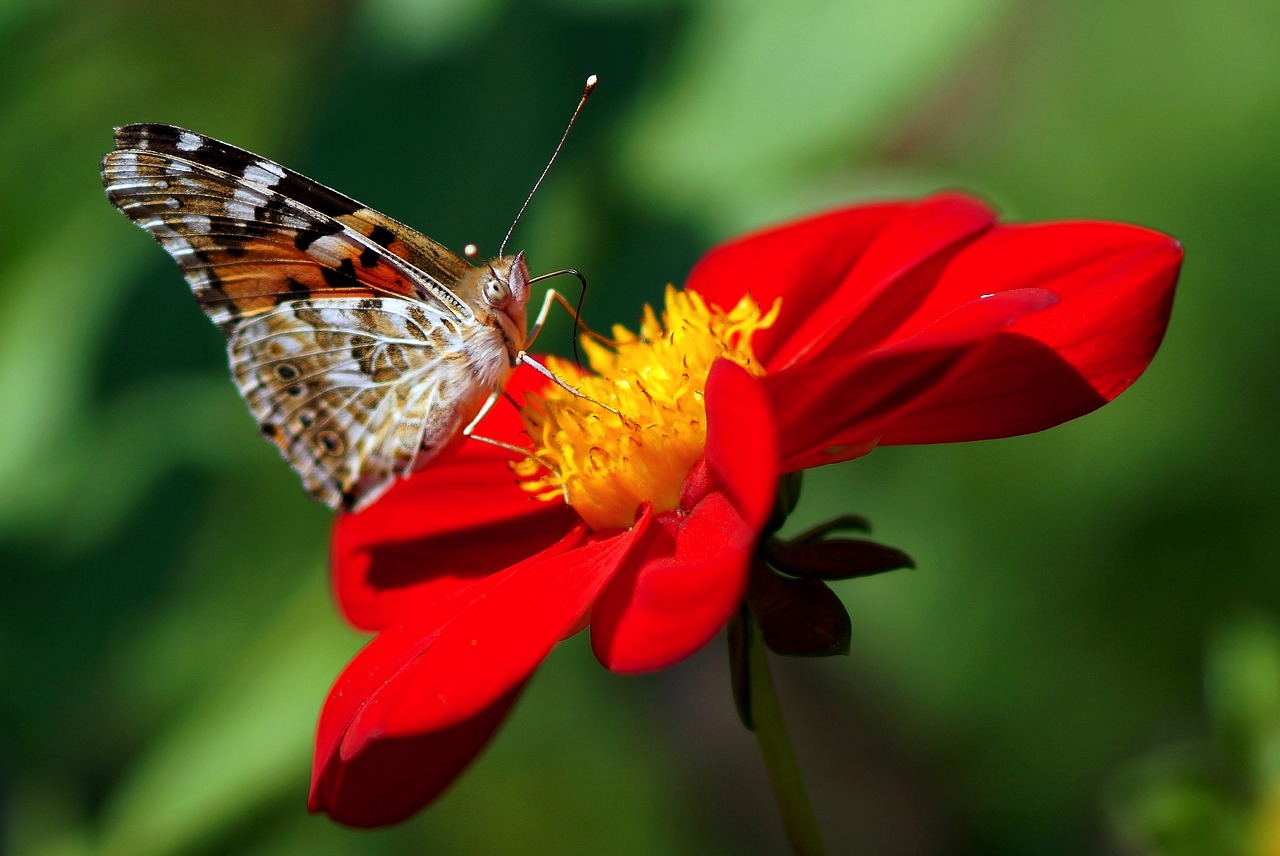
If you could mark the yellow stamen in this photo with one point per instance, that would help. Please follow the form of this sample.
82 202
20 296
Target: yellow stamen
606 467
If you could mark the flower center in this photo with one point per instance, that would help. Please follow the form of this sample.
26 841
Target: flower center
605 466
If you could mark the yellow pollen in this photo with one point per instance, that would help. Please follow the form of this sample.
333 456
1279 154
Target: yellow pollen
605 466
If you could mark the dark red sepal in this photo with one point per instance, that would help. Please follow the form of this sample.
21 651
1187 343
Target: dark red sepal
798 617
836 559
739 629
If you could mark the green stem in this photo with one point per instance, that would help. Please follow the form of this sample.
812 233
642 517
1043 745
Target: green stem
775 748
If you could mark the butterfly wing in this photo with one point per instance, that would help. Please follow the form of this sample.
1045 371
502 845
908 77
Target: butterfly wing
345 335
355 393
250 234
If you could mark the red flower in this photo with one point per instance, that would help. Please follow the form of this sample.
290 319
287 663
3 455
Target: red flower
903 322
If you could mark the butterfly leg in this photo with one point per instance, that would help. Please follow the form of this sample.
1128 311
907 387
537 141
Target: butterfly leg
553 296
469 432
551 376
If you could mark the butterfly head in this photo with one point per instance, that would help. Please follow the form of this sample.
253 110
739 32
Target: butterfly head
504 294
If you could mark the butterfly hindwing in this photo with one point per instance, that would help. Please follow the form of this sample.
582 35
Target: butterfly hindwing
354 393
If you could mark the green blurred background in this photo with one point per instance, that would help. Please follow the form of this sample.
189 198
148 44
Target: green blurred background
1037 686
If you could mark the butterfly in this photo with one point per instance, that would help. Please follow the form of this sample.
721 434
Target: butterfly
363 348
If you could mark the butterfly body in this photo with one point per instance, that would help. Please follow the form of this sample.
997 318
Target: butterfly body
362 347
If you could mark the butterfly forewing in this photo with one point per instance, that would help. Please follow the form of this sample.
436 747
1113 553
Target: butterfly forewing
346 333
259 234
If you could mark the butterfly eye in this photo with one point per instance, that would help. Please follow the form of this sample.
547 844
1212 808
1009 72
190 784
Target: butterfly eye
496 292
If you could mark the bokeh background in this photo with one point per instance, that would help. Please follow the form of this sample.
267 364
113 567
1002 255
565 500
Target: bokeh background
1086 659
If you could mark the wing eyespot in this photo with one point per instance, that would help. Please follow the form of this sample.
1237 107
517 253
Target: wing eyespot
287 372
330 442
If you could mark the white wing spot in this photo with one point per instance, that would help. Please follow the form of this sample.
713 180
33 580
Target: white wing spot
178 246
263 172
189 142
197 223
239 210
178 166
329 249
173 203
244 204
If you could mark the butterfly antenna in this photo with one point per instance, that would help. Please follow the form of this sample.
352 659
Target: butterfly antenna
586 91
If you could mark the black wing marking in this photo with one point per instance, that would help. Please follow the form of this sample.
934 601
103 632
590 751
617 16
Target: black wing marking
434 259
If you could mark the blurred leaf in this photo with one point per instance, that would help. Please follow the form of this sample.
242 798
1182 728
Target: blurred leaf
45 356
1164 807
14 12
147 431
243 743
764 96
1242 686
44 819
1181 801
598 7
420 28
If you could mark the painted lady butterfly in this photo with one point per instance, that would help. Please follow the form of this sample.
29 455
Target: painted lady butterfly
362 347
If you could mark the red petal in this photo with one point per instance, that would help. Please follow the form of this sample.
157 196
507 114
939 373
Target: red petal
895 273
673 595
433 671
830 412
1028 326
393 778
835 408
846 276
458 520
1115 288
787 261
742 441
447 527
